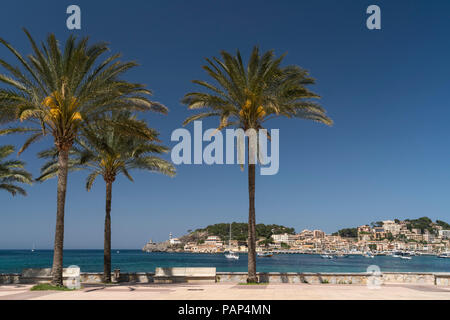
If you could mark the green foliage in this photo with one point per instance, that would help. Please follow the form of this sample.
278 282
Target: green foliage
48 287
443 224
56 92
12 172
267 241
109 150
246 96
285 246
423 224
239 231
348 233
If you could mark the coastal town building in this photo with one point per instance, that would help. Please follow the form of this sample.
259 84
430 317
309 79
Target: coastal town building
173 241
391 227
319 234
286 238
445 234
385 236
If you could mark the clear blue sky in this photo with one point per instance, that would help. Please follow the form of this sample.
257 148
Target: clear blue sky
387 156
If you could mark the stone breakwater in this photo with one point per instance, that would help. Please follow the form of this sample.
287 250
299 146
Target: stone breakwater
438 279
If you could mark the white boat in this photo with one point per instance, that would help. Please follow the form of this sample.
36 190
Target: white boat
34 248
369 255
445 255
231 254
405 258
265 254
326 256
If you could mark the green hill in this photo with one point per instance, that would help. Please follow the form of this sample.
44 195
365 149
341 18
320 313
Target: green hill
239 231
423 223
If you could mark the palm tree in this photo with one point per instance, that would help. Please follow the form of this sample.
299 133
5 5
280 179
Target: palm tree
12 172
246 97
57 92
105 151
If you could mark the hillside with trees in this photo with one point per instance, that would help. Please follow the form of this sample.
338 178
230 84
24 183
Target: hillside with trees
239 231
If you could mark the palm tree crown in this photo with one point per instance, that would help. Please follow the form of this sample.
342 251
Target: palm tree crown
60 91
107 150
247 97
12 172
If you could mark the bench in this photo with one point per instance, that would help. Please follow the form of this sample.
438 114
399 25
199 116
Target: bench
190 275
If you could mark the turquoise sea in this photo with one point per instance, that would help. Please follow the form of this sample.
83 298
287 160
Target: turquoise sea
13 261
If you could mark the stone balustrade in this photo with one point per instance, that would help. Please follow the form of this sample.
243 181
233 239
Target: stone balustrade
162 275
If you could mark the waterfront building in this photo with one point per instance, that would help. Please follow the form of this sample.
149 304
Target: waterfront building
284 238
214 241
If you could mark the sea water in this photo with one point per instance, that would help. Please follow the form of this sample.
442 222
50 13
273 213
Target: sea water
13 261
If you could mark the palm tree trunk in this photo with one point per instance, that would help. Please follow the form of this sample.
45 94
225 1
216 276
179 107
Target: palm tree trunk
251 226
57 269
107 240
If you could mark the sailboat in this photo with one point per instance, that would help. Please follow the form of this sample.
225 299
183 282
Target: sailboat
34 248
231 254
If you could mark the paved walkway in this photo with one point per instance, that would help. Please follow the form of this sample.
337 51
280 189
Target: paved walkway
229 291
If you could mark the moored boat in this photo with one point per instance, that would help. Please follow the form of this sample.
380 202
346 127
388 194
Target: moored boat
231 254
265 254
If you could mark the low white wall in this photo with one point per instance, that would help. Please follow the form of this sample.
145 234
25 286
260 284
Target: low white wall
440 279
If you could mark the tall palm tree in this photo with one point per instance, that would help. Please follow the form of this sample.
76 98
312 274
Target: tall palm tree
57 92
105 151
12 172
246 97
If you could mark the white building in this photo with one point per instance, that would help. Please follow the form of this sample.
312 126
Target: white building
392 227
445 234
173 241
284 238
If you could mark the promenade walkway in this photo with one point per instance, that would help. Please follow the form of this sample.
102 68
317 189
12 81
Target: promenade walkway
229 291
